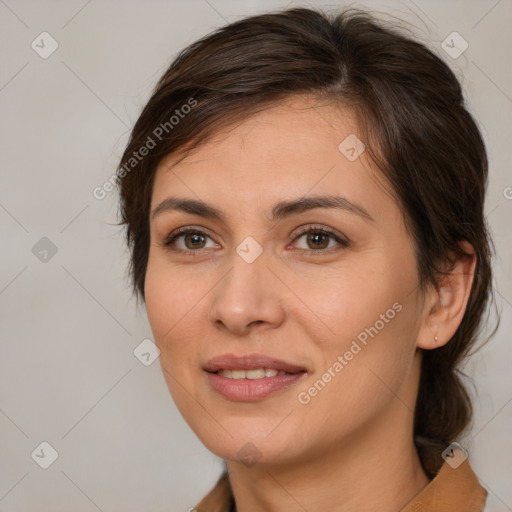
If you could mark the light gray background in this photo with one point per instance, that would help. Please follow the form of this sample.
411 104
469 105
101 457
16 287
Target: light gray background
69 326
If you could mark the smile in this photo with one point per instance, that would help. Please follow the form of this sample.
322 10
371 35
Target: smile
259 373
251 377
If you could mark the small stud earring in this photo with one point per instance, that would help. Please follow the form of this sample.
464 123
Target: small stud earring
435 339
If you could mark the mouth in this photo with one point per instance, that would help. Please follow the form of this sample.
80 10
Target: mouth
252 377
258 373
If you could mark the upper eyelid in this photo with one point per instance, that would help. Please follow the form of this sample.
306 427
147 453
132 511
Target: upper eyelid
185 230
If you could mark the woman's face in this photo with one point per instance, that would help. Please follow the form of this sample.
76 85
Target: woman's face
260 286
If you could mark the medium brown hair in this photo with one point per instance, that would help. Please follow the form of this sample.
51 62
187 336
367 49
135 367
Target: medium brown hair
412 118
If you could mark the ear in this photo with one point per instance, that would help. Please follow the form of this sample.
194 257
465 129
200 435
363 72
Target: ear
445 307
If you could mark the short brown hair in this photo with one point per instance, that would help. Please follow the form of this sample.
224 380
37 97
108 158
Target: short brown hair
413 120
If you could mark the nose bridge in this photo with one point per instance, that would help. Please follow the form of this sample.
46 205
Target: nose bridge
245 295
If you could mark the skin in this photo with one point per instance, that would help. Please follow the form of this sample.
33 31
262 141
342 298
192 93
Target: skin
351 447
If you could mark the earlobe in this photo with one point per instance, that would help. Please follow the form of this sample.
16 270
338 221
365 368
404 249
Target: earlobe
445 306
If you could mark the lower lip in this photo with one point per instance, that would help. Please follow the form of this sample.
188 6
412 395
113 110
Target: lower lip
249 390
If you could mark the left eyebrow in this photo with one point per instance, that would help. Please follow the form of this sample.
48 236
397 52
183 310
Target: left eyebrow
287 208
280 210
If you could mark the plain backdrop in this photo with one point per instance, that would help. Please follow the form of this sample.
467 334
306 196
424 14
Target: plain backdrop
69 326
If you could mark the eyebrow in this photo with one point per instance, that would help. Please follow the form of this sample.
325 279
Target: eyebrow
280 210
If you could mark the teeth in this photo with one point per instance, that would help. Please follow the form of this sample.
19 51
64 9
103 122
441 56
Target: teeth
259 373
255 374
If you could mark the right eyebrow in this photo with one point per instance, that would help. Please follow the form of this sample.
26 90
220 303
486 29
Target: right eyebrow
280 210
191 206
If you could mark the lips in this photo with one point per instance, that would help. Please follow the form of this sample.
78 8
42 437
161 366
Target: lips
252 377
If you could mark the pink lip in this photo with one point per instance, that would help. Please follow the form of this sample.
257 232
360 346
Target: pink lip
249 390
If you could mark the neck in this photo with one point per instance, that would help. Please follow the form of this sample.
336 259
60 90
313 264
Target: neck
364 478
377 468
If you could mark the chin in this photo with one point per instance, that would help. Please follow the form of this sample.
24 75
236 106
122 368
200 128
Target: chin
253 452
251 442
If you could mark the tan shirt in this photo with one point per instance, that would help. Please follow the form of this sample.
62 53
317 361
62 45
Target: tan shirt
451 490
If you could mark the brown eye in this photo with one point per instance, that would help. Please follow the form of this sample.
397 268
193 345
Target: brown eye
190 240
317 240
194 240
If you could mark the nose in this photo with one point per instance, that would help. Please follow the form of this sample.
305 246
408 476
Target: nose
246 297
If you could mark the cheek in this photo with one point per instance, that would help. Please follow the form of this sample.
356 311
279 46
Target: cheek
170 297
171 305
370 321
172 301
360 372
354 298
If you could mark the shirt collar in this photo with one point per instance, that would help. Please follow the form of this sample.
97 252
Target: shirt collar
453 489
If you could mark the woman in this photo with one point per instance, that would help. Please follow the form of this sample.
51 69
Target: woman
303 197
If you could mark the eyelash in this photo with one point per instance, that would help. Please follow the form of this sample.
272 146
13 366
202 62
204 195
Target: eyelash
343 242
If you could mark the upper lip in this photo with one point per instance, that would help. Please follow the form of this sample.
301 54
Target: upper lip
250 362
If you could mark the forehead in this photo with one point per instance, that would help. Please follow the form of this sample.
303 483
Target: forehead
291 144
